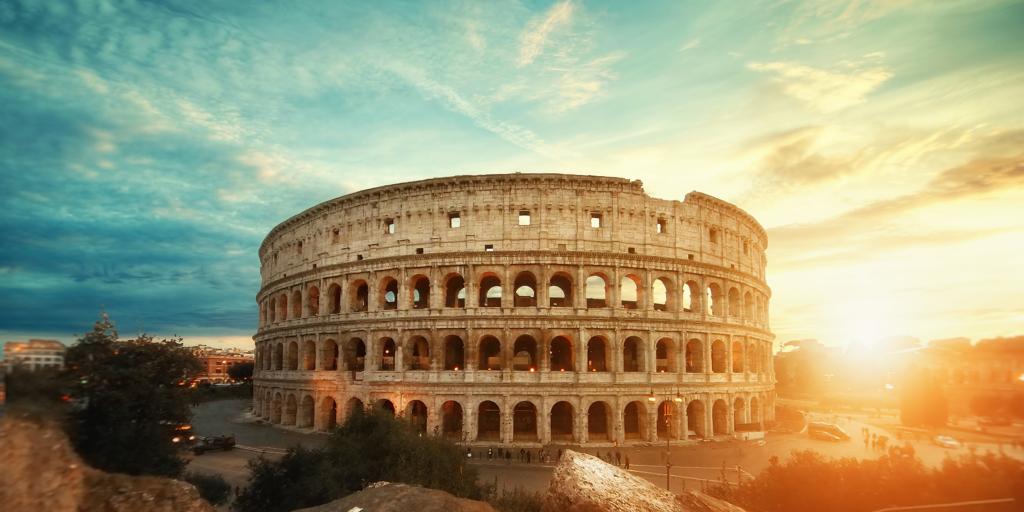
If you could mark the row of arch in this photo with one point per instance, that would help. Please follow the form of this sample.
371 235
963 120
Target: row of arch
416 293
522 353
525 422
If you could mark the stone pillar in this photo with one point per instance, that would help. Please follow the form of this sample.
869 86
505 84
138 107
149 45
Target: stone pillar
706 345
652 421
318 363
618 433
544 421
436 289
469 280
544 346
543 299
582 423
508 297
580 298
730 419
613 289
506 432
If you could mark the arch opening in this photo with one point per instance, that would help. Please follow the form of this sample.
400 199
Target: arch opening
632 355
597 291
387 355
488 421
560 291
454 353
524 354
598 421
490 292
451 420
524 422
490 354
633 424
562 422
525 288
455 292
597 354
561 355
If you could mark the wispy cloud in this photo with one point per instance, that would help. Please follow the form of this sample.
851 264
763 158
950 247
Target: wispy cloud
826 90
535 35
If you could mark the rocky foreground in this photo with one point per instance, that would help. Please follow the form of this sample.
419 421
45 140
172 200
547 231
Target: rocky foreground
40 471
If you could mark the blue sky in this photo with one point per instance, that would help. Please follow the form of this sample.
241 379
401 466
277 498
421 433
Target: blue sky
148 147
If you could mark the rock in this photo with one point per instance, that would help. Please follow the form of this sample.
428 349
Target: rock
41 471
388 497
584 483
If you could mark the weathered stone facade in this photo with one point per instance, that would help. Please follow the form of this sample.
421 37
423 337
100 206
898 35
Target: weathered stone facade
518 309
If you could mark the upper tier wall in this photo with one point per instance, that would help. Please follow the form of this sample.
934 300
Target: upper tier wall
560 206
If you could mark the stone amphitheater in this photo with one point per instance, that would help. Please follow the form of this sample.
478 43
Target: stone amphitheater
518 309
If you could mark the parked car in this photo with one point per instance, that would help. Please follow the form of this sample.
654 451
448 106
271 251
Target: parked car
827 432
946 442
206 444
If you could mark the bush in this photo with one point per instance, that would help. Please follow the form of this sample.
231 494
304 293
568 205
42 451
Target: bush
809 481
516 500
213 488
367 448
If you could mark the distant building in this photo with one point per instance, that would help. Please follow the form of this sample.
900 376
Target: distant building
216 362
33 354
985 379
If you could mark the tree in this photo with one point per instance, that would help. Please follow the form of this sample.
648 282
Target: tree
130 399
240 371
367 448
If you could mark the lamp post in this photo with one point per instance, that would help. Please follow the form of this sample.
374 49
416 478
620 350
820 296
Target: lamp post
668 447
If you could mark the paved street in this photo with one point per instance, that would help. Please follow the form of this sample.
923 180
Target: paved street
698 461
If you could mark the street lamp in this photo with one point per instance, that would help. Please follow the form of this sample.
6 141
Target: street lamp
668 446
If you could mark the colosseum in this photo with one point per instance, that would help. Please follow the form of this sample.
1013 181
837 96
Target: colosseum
518 309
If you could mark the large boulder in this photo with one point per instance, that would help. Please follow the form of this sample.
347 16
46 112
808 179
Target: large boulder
39 470
389 497
584 483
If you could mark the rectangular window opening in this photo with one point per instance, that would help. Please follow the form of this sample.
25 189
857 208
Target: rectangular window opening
713 235
489 248
662 226
631 250
389 226
359 257
419 250
595 220
454 221
524 217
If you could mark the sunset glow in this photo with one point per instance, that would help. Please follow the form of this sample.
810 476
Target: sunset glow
880 144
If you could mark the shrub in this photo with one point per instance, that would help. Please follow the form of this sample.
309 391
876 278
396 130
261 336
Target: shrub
213 488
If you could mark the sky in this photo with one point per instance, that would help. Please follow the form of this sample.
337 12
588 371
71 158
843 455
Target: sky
146 148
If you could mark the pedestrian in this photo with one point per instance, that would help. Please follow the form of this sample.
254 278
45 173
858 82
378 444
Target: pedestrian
528 456
618 458
559 454
627 462
508 457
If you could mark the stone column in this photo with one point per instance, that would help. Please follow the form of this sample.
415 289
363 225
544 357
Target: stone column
613 289
708 341
652 420
318 363
618 433
580 298
543 300
544 421
730 420
544 347
505 433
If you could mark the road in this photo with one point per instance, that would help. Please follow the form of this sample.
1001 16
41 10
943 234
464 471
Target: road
694 462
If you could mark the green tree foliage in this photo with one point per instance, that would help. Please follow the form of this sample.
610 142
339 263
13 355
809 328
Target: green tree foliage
809 481
922 401
213 488
240 371
367 448
128 399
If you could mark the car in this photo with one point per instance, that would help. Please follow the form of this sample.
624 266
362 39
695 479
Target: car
946 442
827 432
182 435
206 444
824 436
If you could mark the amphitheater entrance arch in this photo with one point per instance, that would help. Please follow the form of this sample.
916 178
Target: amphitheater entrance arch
597 354
385 405
329 355
454 353
737 356
720 417
525 290
694 356
524 422
629 291
455 291
328 413
420 292
634 421
291 408
355 355
599 418
418 354
562 416
738 412
561 355
490 353
524 352
416 412
668 419
718 361
665 356
360 296
488 421
632 355
387 354
313 301
354 406
275 409
560 291
490 291
388 299
451 420
309 355
696 418
306 412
